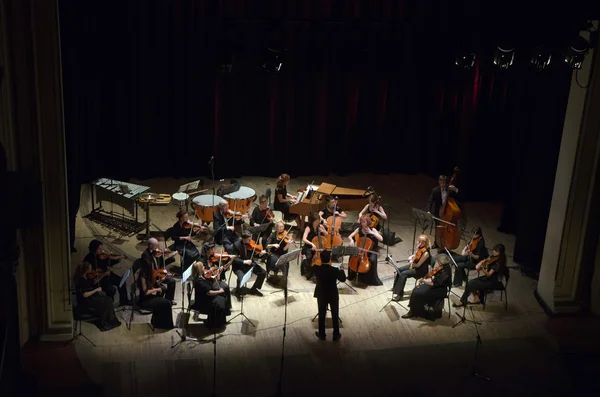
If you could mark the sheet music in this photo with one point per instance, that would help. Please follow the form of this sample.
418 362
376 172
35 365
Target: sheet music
189 186
309 188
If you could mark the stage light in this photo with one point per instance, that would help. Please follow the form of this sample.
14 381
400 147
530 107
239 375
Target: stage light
576 52
504 56
465 60
273 60
540 58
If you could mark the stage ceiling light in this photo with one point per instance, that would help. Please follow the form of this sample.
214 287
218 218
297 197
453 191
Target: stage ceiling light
273 60
465 60
576 52
504 56
540 58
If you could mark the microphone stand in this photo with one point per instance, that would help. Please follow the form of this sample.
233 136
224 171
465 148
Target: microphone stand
463 318
479 343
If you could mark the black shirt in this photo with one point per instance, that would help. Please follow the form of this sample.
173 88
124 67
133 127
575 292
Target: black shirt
220 230
327 213
155 262
97 263
480 250
274 240
259 216
283 191
443 278
369 236
84 285
327 278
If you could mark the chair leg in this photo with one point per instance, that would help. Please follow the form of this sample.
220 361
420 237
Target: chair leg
505 301
449 307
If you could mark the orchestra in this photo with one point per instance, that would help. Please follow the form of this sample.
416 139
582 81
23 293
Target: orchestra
245 244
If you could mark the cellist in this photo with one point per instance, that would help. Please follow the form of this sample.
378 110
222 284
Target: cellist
371 277
374 208
313 228
331 208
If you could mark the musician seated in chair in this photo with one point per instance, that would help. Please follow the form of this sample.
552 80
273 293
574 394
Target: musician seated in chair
491 268
262 215
223 232
370 277
209 258
331 208
374 209
99 259
471 255
151 297
91 300
181 233
155 258
212 297
284 200
313 229
418 267
278 245
431 291
244 262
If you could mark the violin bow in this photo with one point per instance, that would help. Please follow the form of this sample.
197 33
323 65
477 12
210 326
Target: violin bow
285 234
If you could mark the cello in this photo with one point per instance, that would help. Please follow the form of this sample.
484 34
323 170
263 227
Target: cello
334 224
447 233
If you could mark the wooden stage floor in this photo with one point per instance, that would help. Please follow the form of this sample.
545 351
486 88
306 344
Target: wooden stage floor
379 353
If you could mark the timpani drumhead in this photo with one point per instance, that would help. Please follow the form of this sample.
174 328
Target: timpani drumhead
206 205
241 200
180 196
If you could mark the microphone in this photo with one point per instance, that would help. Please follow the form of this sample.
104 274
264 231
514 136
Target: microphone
368 191
212 158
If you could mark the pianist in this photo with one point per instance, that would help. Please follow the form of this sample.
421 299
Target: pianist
283 201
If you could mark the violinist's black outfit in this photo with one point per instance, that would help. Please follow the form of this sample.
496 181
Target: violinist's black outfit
162 314
326 293
283 207
260 218
188 251
275 252
306 268
222 235
483 283
430 295
109 284
168 283
464 262
405 272
217 307
98 304
371 277
239 268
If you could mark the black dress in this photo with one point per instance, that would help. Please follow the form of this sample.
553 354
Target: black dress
259 217
306 264
483 283
275 252
405 272
188 251
464 262
430 295
109 284
168 283
283 207
221 233
98 304
371 277
162 315
216 307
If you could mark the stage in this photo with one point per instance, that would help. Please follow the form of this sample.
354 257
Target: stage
379 353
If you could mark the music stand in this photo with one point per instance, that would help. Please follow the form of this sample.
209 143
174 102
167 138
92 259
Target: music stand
258 230
243 282
455 270
345 251
391 263
284 260
185 317
283 263
422 218
123 281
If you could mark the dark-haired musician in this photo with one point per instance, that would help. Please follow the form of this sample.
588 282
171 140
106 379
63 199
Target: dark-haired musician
374 208
327 294
471 255
181 233
111 283
371 277
283 200
211 296
432 291
313 229
262 215
331 208
153 256
439 195
491 268
223 232
209 258
246 261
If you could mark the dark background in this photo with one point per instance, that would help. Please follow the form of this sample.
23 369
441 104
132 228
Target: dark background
366 86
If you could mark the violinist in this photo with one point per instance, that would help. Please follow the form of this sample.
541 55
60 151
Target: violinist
371 277
471 255
155 258
283 200
261 215
418 266
277 243
209 258
103 261
331 208
211 297
181 233
440 194
327 294
244 262
431 291
151 297
491 268
223 233
374 208
91 300
313 229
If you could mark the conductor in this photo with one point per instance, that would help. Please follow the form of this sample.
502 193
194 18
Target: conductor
326 293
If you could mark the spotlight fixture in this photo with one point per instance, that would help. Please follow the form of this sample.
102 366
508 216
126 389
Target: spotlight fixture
576 52
504 56
540 58
273 60
465 60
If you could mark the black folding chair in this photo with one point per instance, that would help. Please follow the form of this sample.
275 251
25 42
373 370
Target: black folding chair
78 318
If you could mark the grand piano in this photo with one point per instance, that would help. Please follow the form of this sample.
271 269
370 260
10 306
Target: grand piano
312 198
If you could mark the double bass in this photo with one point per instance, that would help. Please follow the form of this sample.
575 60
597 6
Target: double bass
447 233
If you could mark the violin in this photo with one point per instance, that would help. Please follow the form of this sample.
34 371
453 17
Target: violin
434 271
160 252
473 244
252 246
110 255
191 225
487 262
267 214
284 237
160 274
98 273
224 256
417 257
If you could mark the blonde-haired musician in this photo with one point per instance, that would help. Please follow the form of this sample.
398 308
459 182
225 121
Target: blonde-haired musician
418 266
